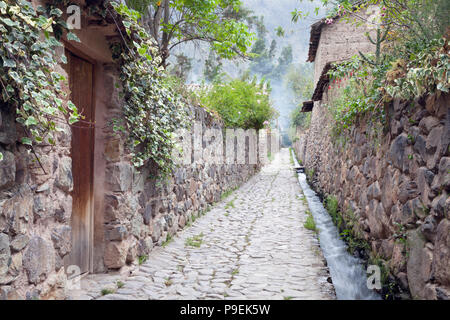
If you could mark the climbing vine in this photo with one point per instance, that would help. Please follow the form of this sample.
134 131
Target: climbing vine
29 84
365 87
152 110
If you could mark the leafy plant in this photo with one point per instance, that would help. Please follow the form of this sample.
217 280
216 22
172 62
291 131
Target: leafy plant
30 85
195 241
241 103
142 259
105 292
309 223
152 111
169 239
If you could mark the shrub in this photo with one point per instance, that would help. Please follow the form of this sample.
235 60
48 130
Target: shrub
241 103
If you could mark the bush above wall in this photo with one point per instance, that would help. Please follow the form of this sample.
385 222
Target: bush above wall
241 103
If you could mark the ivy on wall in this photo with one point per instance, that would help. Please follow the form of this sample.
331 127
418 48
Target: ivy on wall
29 84
152 110
28 45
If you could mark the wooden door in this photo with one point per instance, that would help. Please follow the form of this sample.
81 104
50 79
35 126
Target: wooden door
81 76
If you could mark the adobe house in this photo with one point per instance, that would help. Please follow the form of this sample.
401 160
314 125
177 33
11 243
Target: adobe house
82 207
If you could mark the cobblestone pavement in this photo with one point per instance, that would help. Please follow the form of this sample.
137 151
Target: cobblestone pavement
252 245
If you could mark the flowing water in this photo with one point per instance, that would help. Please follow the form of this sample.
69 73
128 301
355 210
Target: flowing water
347 272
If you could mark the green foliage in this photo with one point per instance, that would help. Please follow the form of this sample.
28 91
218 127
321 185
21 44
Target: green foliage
310 174
152 111
310 223
169 239
142 259
360 93
347 224
215 22
213 68
300 80
30 85
178 86
300 119
105 292
230 204
411 58
227 193
241 103
367 86
426 71
332 206
263 60
195 241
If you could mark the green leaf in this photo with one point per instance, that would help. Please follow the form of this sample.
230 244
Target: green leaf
72 36
56 12
9 22
27 141
73 119
31 121
9 63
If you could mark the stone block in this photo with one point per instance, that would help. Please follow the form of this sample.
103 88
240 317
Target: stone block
62 239
64 178
116 233
116 254
120 177
19 242
38 259
397 152
441 264
8 134
113 150
5 255
7 170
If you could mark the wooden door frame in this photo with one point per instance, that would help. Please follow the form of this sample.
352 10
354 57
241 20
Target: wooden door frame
79 54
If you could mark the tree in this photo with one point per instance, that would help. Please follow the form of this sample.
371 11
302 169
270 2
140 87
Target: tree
299 79
183 66
213 67
284 60
219 23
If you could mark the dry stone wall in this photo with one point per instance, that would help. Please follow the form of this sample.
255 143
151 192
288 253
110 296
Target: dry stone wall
133 213
141 213
396 182
35 211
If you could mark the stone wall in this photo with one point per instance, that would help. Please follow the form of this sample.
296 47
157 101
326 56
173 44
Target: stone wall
141 213
35 211
132 212
395 181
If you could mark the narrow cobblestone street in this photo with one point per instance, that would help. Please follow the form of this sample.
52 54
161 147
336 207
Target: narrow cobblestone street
252 245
